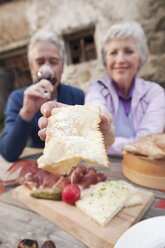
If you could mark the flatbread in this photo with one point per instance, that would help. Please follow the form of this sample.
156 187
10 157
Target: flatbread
127 189
151 146
73 135
101 202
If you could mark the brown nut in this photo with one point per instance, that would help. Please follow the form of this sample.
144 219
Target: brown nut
48 244
28 243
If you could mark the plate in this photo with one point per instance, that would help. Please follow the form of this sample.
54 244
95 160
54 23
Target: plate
158 243
144 234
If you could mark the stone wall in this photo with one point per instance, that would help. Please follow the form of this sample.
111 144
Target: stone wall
19 19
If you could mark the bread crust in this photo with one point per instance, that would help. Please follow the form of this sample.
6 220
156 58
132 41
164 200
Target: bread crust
73 135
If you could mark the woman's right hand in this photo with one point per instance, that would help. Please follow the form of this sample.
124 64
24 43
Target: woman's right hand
107 129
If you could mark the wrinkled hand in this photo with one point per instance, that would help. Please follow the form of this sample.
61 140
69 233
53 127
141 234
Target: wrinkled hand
46 109
106 126
107 129
34 96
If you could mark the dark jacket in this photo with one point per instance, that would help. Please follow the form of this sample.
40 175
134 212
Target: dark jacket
17 131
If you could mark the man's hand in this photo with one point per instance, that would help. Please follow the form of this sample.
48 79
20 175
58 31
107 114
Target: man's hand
34 96
106 126
46 109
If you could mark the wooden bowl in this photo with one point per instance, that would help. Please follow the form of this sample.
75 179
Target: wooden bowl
145 172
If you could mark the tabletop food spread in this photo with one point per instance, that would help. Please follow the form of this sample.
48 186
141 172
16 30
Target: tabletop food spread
75 196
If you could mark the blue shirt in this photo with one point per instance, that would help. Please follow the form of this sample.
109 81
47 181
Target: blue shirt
17 131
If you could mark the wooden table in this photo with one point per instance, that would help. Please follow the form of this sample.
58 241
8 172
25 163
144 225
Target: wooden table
18 222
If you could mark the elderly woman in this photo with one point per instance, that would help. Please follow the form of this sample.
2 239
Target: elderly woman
137 106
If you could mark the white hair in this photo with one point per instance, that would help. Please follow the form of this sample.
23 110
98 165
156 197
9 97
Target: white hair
127 30
44 35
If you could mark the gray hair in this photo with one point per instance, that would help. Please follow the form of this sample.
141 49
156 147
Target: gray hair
126 30
44 35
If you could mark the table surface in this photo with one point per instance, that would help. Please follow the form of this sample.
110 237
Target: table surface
18 222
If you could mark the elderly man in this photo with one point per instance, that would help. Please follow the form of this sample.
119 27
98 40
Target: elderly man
46 61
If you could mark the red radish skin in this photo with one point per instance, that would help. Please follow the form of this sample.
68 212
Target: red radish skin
71 193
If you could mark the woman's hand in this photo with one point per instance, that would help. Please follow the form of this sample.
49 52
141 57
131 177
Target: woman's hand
107 129
106 126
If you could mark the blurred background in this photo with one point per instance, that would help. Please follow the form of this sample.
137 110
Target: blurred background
81 25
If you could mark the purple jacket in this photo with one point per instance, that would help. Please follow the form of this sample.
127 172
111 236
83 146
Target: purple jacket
147 107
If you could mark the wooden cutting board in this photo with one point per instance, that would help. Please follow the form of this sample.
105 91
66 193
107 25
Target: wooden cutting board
79 225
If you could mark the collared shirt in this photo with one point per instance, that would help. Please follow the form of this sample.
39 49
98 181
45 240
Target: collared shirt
126 101
147 107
